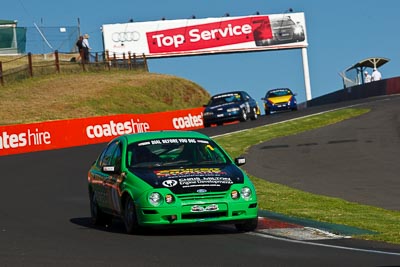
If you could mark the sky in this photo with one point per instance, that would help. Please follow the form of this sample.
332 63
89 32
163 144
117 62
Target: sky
340 33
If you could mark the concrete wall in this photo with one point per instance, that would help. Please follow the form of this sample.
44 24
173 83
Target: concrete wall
382 87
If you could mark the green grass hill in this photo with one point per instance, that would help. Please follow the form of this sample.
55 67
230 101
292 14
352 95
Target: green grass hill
88 94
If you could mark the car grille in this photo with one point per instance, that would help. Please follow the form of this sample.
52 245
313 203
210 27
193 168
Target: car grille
197 196
280 103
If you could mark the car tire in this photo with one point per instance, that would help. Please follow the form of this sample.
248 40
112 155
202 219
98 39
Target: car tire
247 226
255 114
243 116
98 217
206 125
130 216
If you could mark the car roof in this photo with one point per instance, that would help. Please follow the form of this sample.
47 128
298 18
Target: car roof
138 137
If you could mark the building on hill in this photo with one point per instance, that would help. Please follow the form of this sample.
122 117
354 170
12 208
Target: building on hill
12 38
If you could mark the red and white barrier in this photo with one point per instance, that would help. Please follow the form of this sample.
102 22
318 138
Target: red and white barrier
23 138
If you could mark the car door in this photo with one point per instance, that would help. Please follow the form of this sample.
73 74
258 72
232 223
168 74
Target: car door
101 176
113 180
253 104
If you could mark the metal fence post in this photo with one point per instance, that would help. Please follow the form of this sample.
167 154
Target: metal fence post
57 61
145 63
123 59
115 60
108 60
130 60
30 64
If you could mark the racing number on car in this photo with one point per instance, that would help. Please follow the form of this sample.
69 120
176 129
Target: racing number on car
247 105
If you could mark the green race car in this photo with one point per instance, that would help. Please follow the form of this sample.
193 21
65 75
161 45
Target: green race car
169 178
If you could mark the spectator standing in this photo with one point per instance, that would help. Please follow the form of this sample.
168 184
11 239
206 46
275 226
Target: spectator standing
367 78
86 47
80 48
376 75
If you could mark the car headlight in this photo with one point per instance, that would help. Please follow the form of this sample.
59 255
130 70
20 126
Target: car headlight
208 113
233 109
155 199
246 193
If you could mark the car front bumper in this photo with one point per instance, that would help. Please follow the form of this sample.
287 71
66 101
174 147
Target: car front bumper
197 213
222 117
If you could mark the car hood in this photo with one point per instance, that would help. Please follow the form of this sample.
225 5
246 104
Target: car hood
280 99
191 180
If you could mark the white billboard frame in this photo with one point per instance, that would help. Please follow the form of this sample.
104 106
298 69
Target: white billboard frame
186 37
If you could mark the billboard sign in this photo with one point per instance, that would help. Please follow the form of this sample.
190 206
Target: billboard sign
205 36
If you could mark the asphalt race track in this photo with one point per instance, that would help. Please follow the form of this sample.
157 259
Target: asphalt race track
44 211
357 160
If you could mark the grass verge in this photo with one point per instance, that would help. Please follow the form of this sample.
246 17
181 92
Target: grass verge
292 202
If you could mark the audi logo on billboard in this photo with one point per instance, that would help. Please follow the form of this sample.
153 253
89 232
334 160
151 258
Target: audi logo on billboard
126 36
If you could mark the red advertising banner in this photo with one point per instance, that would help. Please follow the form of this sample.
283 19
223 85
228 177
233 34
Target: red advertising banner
209 35
15 139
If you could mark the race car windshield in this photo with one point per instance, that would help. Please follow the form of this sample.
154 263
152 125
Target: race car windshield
219 100
281 92
174 152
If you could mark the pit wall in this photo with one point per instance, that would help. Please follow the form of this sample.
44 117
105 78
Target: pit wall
382 87
23 138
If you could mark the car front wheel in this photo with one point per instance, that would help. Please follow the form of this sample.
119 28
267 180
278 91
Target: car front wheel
130 217
255 114
243 116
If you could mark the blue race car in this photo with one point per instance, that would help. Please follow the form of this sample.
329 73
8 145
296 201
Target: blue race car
230 106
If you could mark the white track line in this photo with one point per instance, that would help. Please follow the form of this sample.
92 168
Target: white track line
324 245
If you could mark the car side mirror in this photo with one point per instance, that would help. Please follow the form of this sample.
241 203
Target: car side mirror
240 161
